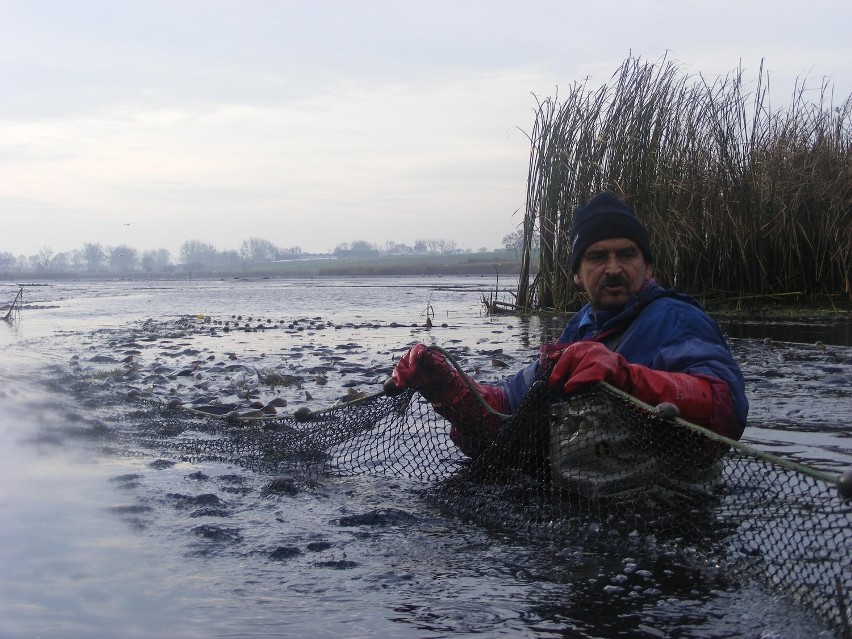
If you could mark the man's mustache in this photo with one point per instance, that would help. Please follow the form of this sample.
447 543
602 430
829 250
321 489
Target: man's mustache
614 280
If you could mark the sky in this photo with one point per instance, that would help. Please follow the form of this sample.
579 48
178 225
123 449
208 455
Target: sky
315 123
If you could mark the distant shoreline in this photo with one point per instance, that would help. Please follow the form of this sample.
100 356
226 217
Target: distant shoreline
501 269
387 266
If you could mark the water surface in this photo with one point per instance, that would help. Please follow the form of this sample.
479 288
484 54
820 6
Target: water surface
103 537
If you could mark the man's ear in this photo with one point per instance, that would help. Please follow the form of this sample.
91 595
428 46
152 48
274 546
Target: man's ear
578 283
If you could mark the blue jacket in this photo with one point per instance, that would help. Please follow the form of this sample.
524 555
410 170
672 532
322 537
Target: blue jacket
660 329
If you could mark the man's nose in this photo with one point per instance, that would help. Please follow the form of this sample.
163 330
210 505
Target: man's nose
612 264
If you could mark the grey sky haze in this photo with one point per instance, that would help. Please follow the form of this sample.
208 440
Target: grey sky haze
312 123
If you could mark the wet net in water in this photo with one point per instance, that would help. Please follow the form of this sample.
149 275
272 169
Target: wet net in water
595 466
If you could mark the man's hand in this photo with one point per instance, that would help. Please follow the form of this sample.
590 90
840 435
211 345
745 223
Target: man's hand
420 369
584 363
405 374
427 371
701 399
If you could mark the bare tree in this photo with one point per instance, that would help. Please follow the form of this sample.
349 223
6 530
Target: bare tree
94 255
445 247
258 249
194 254
362 248
76 259
155 261
122 259
59 262
439 247
394 248
41 260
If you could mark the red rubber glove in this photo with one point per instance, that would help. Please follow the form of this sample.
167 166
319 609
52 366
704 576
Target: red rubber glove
702 399
472 426
416 369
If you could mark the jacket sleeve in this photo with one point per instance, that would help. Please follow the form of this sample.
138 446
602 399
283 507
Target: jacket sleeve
712 362
689 341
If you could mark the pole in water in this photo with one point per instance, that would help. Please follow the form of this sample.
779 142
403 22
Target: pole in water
844 486
17 302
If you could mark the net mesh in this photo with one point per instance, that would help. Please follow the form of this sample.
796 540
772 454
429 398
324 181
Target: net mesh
597 466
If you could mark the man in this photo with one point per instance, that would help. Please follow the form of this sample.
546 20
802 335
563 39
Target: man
653 343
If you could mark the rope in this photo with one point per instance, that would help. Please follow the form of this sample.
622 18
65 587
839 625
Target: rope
741 446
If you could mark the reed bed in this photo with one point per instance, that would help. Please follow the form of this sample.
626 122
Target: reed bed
741 200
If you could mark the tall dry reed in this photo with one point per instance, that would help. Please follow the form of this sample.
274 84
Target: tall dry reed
740 200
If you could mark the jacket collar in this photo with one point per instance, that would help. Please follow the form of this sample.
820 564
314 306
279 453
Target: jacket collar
594 322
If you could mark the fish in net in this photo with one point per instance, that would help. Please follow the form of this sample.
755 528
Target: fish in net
584 468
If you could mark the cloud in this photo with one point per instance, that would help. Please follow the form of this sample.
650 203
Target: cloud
358 152
316 123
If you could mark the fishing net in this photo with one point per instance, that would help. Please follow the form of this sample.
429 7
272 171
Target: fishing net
595 468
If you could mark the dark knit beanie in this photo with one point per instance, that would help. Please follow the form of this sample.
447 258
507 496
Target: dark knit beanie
605 217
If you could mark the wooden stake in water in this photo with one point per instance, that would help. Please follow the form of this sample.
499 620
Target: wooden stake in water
16 303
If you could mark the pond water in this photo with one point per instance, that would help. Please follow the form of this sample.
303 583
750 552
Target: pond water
109 538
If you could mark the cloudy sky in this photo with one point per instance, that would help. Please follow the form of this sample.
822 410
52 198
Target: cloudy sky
312 123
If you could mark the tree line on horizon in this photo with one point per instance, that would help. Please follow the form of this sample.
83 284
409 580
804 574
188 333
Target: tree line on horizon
197 256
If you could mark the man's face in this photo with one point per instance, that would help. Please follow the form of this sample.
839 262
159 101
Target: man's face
612 271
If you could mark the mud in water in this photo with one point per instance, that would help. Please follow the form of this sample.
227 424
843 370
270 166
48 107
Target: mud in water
110 531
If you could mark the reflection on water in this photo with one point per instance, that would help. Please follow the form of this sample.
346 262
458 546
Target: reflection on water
104 537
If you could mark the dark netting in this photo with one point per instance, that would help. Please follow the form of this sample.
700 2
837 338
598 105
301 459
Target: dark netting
597 466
